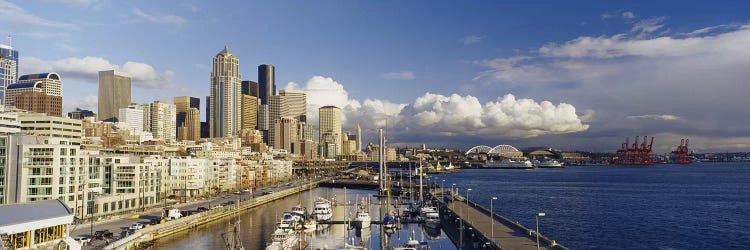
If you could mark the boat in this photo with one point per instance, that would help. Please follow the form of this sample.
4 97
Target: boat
432 219
293 221
282 239
427 209
310 223
509 164
389 222
548 164
362 218
299 210
322 209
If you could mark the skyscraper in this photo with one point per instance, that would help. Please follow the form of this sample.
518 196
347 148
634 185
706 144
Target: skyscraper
133 116
114 94
285 130
249 112
160 119
288 104
266 82
329 125
358 133
250 88
47 83
226 89
190 128
8 68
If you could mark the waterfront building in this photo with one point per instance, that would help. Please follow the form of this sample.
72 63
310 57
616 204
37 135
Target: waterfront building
186 176
39 102
160 119
225 95
8 69
9 122
250 88
285 133
190 129
81 113
54 126
133 116
114 94
266 82
249 112
329 125
47 83
37 225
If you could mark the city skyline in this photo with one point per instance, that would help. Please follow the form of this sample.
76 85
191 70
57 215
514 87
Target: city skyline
608 72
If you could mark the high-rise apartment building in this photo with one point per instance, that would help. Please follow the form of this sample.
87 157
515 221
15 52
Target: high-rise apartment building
329 125
8 68
39 102
285 131
225 99
249 112
266 82
160 119
114 94
250 88
190 130
133 117
47 83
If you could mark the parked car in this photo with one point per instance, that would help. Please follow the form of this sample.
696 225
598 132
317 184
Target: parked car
103 234
202 209
136 226
171 214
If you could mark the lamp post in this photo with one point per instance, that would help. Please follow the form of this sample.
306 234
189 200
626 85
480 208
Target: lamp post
467 205
537 228
453 187
441 186
492 218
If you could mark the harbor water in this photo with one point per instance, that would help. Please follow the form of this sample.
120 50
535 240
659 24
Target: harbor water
697 206
258 224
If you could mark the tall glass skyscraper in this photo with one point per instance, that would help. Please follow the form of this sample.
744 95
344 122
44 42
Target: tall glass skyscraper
266 82
8 68
226 91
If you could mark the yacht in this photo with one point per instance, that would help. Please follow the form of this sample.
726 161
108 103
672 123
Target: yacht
299 210
548 164
427 209
283 239
322 210
362 218
509 164
432 219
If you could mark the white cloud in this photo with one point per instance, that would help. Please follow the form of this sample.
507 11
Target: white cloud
87 68
88 102
159 18
472 39
649 25
654 117
628 15
10 12
399 75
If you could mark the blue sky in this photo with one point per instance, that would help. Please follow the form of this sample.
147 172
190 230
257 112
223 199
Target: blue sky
604 59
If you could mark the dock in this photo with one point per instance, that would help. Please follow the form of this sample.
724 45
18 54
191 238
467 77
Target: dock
473 225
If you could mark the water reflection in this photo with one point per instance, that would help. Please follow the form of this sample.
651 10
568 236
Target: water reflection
258 224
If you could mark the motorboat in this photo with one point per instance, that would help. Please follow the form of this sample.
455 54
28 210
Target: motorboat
432 219
509 164
299 210
282 239
322 210
548 164
427 209
362 218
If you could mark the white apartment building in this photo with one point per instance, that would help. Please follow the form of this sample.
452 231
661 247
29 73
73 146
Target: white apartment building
132 116
185 176
161 119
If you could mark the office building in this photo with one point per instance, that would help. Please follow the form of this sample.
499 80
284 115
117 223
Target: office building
190 130
39 102
8 68
250 88
53 126
9 123
183 103
358 134
114 94
285 131
305 132
160 119
225 95
249 112
289 104
132 116
47 83
329 125
81 113
264 124
266 82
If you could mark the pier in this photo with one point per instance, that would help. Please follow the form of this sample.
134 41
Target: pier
473 224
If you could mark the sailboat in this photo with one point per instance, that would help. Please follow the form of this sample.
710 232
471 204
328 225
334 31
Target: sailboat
232 239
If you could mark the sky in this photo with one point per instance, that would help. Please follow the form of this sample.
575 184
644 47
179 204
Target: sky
577 75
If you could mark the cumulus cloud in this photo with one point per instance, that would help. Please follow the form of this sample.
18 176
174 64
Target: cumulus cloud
654 117
696 82
159 18
9 12
472 39
87 68
435 115
399 75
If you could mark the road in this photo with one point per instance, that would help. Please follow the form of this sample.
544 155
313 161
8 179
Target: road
117 226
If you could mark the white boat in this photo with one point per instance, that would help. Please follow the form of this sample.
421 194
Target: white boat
310 223
548 164
362 218
432 219
283 239
299 210
322 210
509 164
427 209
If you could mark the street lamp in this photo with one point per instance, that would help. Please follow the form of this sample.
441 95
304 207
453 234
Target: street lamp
467 205
441 186
537 228
492 218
